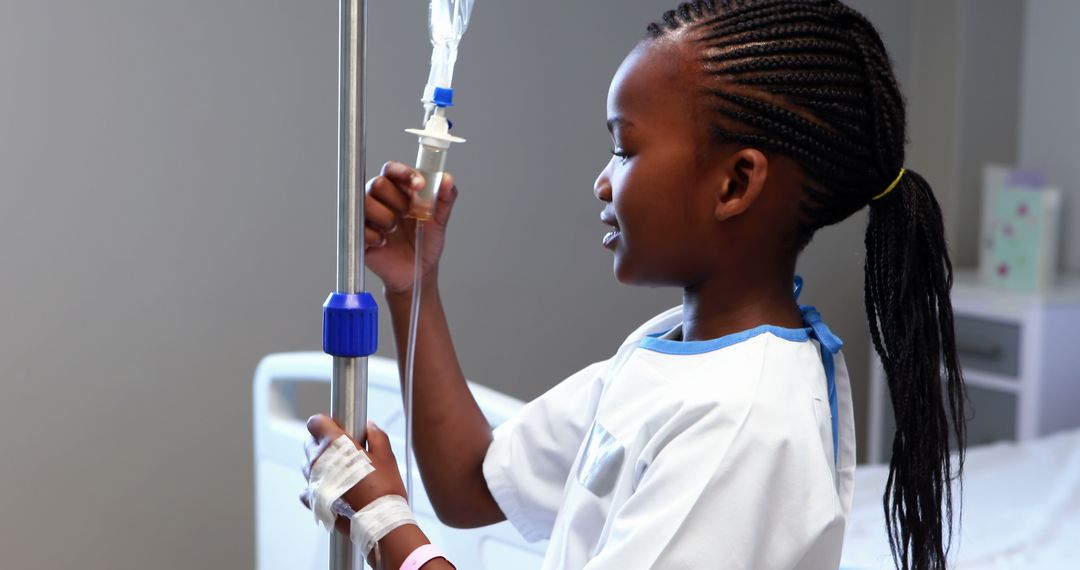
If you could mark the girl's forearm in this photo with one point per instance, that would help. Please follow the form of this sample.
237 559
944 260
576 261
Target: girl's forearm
396 546
450 434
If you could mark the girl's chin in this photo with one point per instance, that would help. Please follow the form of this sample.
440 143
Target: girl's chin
622 273
626 273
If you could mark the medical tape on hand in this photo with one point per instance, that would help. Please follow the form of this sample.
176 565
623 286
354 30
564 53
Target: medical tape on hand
372 523
337 470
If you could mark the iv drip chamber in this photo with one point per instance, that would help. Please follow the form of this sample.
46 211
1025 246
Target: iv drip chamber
435 141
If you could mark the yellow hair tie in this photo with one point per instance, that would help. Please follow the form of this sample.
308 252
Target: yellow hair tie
891 186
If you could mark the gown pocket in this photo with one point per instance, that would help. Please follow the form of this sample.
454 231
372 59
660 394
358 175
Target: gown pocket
600 466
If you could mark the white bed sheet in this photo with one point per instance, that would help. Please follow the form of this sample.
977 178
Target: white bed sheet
1021 509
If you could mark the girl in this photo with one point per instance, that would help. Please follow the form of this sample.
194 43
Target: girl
720 435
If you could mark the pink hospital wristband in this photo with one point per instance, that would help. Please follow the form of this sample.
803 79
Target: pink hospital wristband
423 555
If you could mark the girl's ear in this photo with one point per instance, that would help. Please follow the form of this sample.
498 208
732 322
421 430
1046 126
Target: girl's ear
741 179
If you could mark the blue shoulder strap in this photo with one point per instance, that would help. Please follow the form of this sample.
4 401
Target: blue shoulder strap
830 345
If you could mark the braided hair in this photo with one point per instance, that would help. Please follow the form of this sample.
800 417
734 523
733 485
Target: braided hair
812 80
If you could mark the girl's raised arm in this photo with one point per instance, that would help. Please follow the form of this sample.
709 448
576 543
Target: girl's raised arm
451 435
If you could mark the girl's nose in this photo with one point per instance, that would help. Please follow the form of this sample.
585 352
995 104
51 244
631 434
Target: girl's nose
602 187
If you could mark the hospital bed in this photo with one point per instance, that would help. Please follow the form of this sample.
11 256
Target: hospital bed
291 387
1021 501
1021 509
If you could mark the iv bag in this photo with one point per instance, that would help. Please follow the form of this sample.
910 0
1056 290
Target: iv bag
448 20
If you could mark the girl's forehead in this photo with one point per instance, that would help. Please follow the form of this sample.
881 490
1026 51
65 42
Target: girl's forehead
655 83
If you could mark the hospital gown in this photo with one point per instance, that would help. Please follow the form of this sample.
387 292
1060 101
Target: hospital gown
687 455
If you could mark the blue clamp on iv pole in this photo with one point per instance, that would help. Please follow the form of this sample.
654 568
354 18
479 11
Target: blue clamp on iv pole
350 325
350 315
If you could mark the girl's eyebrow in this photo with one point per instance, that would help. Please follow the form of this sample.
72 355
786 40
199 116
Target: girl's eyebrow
621 122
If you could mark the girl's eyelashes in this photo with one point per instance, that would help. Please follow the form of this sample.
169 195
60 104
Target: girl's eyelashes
622 155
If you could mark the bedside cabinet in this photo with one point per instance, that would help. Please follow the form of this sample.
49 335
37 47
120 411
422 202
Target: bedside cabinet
1020 357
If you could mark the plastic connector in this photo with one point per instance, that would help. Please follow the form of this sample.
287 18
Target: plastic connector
350 325
443 97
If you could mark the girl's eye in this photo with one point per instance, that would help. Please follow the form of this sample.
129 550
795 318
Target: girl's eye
622 155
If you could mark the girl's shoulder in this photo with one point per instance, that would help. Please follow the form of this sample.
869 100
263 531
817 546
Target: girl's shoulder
659 324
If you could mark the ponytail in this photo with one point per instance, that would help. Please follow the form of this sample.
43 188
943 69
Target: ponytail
908 279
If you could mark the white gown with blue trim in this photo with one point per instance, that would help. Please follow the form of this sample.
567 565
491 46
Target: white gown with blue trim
732 453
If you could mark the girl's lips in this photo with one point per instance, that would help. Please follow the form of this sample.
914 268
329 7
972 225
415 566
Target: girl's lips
609 239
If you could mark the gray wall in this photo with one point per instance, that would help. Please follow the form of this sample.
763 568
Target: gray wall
1049 120
964 104
987 108
166 197
166 218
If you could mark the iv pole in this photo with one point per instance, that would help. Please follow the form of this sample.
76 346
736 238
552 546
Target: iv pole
350 315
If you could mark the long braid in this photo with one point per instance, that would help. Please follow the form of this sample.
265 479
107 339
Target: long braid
812 80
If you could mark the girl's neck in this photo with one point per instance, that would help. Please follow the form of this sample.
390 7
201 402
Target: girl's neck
720 307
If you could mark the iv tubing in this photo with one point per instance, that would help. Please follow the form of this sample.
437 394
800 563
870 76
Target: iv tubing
410 360
447 23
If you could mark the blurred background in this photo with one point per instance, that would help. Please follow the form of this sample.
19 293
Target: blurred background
167 196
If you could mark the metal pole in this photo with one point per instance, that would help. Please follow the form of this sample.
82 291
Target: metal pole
348 387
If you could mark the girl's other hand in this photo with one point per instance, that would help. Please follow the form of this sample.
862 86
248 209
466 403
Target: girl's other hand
389 235
385 480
